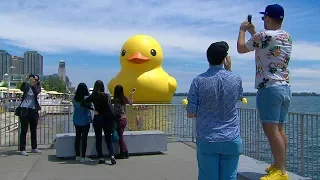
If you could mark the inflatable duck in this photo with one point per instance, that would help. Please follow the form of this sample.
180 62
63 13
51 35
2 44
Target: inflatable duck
141 68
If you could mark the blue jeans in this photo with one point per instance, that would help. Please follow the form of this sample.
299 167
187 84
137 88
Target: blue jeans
101 123
218 160
273 103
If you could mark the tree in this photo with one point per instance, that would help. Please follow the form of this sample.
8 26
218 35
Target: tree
3 84
18 85
55 84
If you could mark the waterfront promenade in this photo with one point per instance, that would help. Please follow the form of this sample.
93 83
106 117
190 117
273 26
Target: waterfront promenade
180 130
178 163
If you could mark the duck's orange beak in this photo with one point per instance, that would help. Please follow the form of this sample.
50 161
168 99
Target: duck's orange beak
138 58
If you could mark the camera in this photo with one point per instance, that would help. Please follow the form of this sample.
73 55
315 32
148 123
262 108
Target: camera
249 18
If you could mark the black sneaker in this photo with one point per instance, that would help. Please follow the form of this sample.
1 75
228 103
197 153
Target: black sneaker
113 161
126 155
101 161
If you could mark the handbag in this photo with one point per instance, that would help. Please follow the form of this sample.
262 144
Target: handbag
115 136
19 111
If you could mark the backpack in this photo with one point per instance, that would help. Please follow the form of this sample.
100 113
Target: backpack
115 110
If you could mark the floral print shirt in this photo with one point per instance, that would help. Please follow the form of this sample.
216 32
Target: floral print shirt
272 54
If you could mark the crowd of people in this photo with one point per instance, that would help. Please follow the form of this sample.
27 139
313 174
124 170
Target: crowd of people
108 116
213 99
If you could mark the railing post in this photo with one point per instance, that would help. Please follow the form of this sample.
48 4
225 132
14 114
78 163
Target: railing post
19 131
258 136
68 119
302 144
155 117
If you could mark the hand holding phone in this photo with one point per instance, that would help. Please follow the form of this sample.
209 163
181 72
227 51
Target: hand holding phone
133 90
249 18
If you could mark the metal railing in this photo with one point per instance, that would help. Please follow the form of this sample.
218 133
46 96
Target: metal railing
303 148
54 119
168 118
303 151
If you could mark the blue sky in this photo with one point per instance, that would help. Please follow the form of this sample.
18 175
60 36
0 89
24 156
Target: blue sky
90 34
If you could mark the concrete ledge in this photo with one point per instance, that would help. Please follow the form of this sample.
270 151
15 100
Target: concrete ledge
251 169
138 142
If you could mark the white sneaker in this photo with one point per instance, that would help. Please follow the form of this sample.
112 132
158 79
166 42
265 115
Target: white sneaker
36 151
86 159
78 158
24 153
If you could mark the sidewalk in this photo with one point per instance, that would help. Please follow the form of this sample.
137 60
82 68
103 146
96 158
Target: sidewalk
178 163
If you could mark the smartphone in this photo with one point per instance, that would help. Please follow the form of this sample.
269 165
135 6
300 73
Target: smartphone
133 90
249 18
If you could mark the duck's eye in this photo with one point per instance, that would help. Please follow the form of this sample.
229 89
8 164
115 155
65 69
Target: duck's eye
153 52
123 53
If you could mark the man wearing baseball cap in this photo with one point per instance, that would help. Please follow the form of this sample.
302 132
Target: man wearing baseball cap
212 100
272 54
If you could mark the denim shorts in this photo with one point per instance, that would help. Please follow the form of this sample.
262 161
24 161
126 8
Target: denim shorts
273 103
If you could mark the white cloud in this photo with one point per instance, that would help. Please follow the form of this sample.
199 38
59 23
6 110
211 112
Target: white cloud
184 28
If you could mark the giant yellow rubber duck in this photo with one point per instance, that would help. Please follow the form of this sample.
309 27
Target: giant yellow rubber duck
141 68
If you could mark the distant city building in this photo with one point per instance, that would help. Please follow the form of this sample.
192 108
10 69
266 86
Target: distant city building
5 62
62 70
15 79
18 64
33 63
68 82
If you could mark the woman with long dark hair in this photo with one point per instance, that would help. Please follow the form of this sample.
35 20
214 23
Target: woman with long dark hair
120 101
81 120
103 118
28 113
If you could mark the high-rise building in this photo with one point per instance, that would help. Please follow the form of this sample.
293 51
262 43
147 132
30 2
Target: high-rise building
18 64
5 62
62 70
33 63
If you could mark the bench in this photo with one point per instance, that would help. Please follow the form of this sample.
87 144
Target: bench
138 142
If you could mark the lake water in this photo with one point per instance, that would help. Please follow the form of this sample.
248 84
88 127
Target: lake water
299 104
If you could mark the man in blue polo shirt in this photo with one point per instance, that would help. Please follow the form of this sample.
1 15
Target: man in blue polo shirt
212 100
272 50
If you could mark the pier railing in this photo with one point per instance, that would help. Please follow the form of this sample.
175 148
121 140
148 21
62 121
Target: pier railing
303 151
